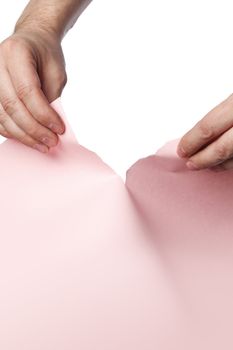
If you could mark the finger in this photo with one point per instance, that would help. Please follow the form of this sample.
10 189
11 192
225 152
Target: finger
227 165
21 116
215 153
14 130
4 132
27 85
216 122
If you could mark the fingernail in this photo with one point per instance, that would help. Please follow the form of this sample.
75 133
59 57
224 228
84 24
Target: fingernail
191 165
56 128
41 148
49 142
181 152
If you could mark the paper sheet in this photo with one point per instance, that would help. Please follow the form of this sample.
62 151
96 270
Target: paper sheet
88 262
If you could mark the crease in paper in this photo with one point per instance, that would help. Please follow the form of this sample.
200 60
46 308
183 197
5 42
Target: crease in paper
88 262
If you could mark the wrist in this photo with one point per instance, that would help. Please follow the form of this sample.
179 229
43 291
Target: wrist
39 28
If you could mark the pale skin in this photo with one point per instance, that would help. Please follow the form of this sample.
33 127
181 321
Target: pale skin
32 69
209 144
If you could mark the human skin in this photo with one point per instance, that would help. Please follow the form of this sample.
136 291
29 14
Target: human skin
32 69
209 144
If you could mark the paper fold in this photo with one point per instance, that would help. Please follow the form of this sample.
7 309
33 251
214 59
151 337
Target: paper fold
88 262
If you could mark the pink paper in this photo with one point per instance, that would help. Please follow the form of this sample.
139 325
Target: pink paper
90 263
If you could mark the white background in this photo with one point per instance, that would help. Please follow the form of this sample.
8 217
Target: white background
141 72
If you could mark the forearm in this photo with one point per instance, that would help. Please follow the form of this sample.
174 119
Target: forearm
54 16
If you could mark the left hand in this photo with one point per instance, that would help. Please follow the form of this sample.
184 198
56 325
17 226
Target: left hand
209 144
32 70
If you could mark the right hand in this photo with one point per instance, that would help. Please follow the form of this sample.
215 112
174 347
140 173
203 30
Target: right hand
32 70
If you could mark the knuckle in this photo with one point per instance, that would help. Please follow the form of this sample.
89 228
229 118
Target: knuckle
23 138
23 91
9 104
32 129
47 116
43 116
10 44
221 152
206 131
7 44
40 117
44 119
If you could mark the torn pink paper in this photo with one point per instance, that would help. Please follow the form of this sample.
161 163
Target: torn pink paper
88 262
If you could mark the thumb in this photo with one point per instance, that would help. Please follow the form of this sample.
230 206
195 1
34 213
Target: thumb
53 81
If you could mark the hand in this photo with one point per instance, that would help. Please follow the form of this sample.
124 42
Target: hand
32 70
209 144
